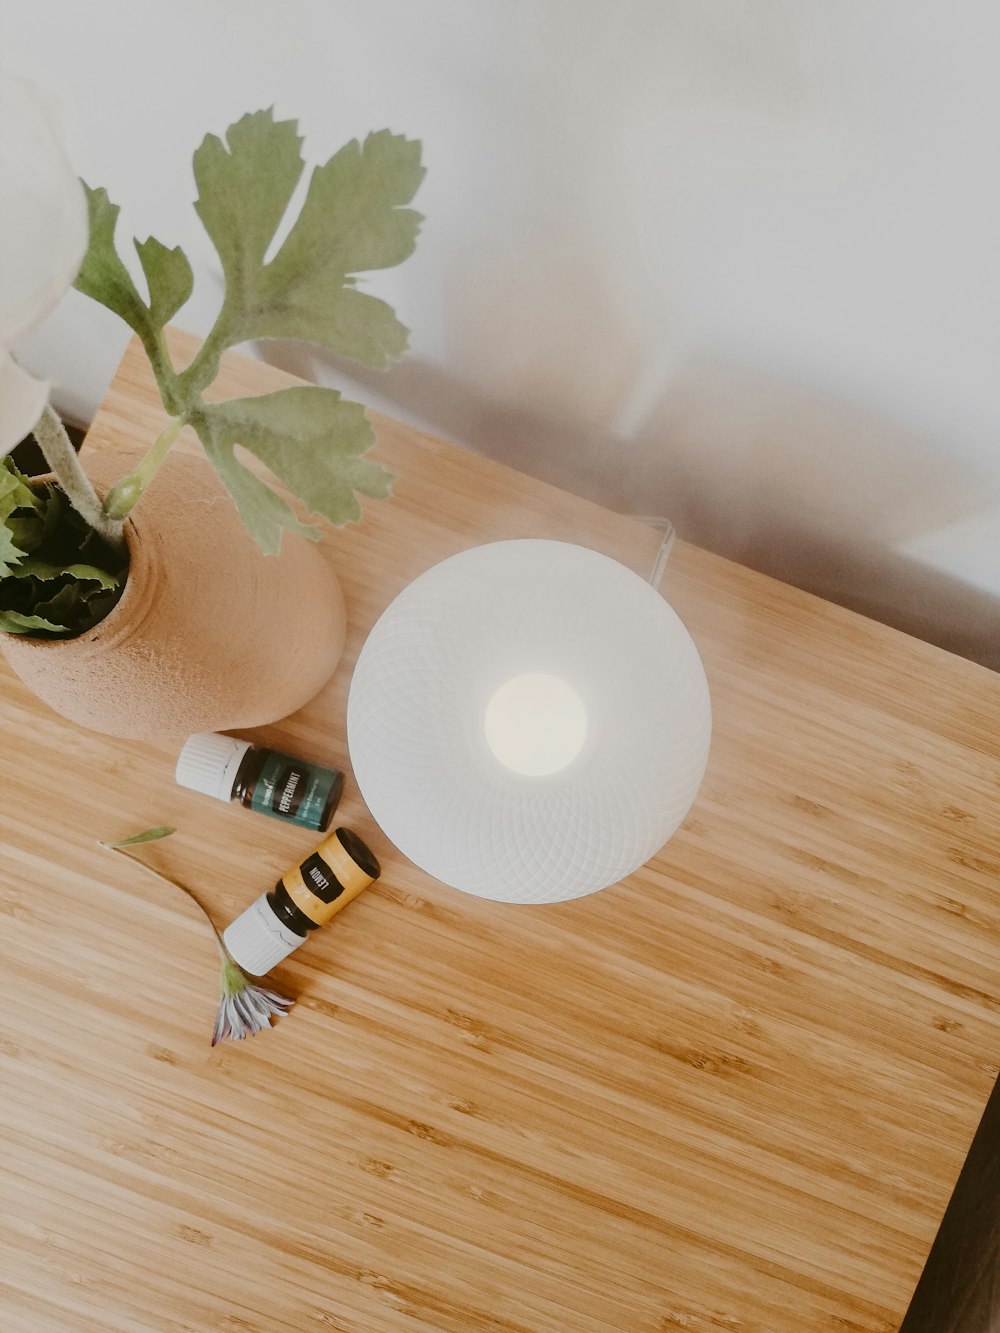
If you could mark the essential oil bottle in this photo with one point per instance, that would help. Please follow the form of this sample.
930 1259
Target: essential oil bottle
268 781
306 896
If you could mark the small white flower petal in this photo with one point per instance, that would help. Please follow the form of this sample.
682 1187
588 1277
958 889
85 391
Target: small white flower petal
247 1013
22 400
234 1020
221 1026
257 1007
43 210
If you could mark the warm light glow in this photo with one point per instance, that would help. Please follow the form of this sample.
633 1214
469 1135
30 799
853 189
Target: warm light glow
535 724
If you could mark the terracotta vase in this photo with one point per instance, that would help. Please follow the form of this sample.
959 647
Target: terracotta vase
210 634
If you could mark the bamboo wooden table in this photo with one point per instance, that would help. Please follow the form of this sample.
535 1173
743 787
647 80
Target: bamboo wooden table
731 1093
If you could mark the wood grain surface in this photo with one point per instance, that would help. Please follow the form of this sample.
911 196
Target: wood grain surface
731 1093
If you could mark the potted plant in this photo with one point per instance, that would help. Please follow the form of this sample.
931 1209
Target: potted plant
205 608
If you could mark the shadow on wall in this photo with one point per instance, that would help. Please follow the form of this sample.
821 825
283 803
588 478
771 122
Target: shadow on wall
788 480
819 493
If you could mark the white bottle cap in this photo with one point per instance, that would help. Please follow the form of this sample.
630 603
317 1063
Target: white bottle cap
209 763
257 940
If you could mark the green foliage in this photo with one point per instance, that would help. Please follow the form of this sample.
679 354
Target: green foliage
242 196
148 835
354 219
168 277
263 511
351 221
57 577
312 439
102 274
10 553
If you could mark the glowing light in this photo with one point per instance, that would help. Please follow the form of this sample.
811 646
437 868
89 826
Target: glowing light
535 724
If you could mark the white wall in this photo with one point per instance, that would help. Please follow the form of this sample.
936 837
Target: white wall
736 262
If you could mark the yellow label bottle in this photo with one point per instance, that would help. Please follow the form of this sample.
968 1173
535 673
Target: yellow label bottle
306 896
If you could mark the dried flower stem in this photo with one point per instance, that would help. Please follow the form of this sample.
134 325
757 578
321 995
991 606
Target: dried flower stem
124 851
244 1007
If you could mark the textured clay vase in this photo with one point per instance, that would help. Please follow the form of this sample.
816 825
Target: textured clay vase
210 634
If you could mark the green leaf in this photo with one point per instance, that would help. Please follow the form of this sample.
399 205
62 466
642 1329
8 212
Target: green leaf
15 493
103 276
55 510
169 277
352 221
13 622
264 513
150 835
65 580
310 438
62 607
347 321
9 486
25 530
244 187
98 605
243 193
20 532
39 569
10 466
10 554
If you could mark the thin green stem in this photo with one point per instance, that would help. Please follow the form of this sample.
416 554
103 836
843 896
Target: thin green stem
204 368
123 851
124 495
58 451
164 373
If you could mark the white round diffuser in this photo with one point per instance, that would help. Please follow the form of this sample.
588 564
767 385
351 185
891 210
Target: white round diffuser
529 721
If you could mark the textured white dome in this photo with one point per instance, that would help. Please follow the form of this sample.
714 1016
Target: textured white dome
437 657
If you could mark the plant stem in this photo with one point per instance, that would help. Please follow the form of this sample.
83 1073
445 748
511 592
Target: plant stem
163 372
58 451
124 495
123 851
203 369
